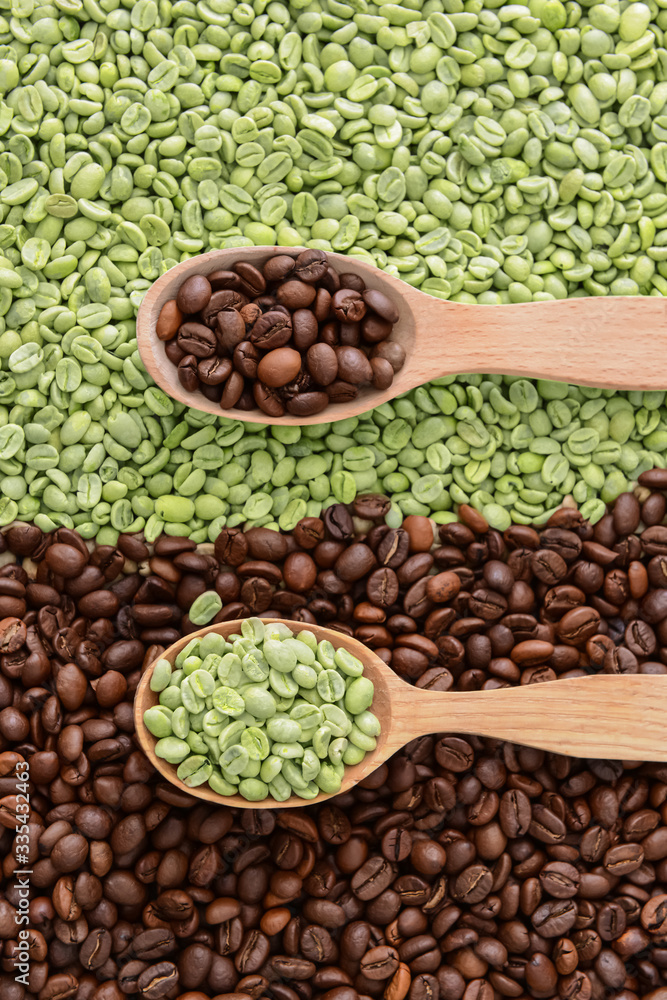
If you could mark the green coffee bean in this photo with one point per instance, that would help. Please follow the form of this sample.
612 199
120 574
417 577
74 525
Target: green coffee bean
194 771
172 749
158 722
205 607
161 676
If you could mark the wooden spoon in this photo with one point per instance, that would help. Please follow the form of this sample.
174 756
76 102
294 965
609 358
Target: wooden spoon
607 716
614 342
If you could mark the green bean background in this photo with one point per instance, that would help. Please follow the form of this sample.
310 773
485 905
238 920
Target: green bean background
481 151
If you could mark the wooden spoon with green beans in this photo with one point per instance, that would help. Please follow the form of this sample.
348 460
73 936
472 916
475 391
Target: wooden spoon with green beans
613 343
621 717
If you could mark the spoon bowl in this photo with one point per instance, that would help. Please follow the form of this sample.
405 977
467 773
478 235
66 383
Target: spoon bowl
611 343
619 717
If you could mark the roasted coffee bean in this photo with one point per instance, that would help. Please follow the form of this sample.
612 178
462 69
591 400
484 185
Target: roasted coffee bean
273 329
222 300
554 918
307 403
194 294
322 363
188 372
245 358
383 373
380 963
252 277
353 366
279 366
157 980
230 330
197 339
96 949
654 914
213 371
304 329
560 879
252 953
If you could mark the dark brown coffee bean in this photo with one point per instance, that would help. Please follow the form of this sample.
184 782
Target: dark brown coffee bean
654 914
157 980
307 403
213 371
252 953
473 884
232 391
382 587
295 294
578 625
246 358
396 844
341 392
304 328
220 280
194 294
555 918
348 305
381 304
548 566
311 266
188 372
279 267
383 373
653 509
230 330
380 963
223 300
153 944
268 400
322 363
546 826
454 753
560 879
623 859
353 365
372 878
271 330
65 560
96 949
197 339
69 853
374 329
640 638
252 277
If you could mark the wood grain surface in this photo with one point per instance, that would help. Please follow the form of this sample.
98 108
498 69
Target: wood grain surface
608 716
614 342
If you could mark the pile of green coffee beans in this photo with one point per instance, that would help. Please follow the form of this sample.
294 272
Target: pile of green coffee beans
263 714
512 448
482 151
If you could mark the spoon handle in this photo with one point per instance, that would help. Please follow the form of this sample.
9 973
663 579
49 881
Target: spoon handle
604 716
610 342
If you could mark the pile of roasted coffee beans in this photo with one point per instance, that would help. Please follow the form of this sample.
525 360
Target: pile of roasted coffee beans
291 336
463 869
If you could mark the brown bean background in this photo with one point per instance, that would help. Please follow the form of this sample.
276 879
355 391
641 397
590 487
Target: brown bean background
463 869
